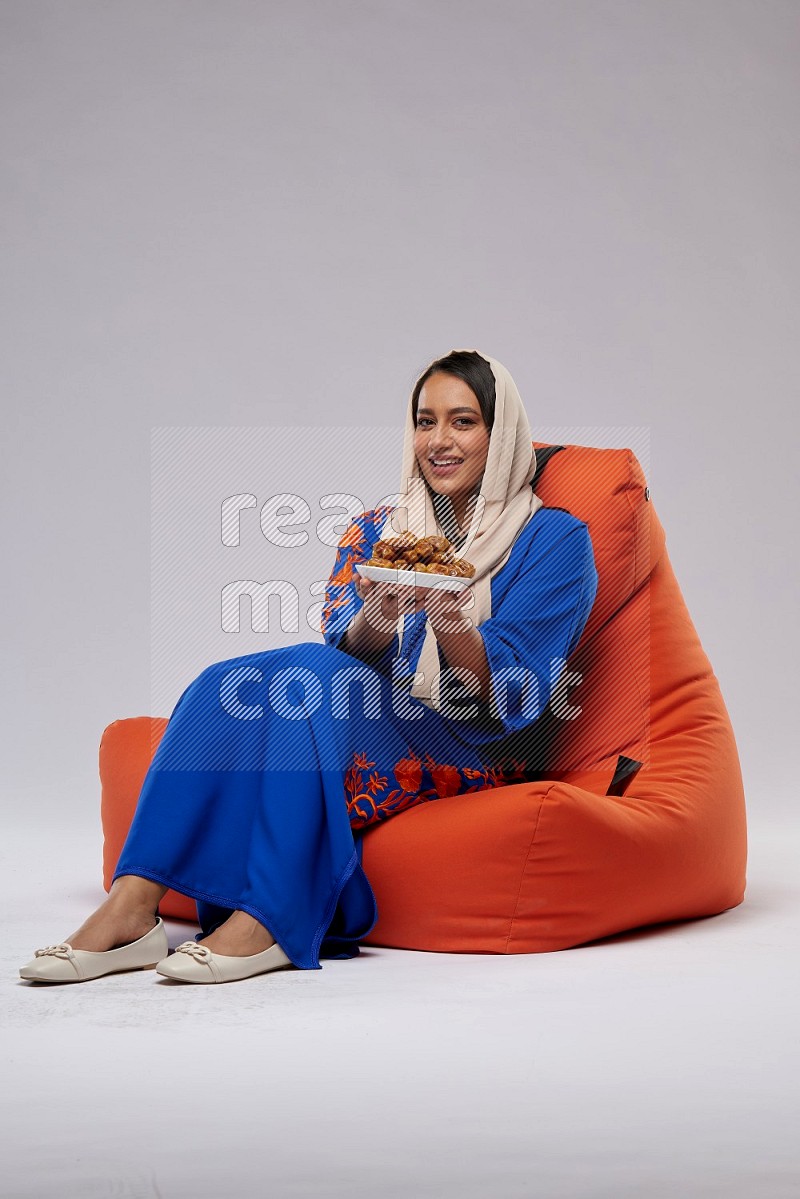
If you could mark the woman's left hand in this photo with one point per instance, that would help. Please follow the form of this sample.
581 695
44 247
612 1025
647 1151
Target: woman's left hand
444 609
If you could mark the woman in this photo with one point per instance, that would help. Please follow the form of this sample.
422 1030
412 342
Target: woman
267 774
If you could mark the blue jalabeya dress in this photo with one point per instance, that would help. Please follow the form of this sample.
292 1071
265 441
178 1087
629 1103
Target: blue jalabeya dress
273 764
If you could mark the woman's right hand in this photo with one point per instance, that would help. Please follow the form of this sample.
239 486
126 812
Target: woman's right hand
389 600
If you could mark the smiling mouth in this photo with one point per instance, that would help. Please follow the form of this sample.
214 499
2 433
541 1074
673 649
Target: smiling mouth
446 461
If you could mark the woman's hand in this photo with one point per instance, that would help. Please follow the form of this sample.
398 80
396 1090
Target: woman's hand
388 601
444 609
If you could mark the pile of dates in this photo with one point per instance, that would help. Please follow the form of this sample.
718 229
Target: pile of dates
431 555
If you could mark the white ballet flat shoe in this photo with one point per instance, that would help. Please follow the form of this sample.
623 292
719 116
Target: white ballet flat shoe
62 964
193 962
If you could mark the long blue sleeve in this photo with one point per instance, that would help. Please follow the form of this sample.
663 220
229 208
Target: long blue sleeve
342 602
540 606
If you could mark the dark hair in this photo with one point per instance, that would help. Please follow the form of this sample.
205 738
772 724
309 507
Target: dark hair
475 372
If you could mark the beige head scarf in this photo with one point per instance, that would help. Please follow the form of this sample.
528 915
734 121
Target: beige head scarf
504 505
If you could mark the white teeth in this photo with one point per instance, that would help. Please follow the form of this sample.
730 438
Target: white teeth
445 461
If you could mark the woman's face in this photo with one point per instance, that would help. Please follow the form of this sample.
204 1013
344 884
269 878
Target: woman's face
451 440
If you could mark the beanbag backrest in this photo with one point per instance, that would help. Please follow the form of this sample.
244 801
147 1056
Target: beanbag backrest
606 489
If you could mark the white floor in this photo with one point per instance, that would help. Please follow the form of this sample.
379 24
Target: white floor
660 1063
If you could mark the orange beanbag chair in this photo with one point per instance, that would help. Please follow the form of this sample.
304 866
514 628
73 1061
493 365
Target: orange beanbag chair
637 815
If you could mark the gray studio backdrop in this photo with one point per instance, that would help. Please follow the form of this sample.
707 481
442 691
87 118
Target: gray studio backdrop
272 216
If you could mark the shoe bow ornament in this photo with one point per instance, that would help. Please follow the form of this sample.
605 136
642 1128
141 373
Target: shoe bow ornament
62 950
200 953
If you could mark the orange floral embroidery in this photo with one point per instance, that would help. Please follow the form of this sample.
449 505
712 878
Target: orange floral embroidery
367 803
353 537
446 780
408 772
343 575
376 782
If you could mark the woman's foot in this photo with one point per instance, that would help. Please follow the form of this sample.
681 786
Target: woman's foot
127 914
240 936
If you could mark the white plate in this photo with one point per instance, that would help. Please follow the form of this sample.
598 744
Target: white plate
412 578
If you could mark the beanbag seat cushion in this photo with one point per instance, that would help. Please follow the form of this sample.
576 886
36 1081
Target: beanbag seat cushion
635 812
